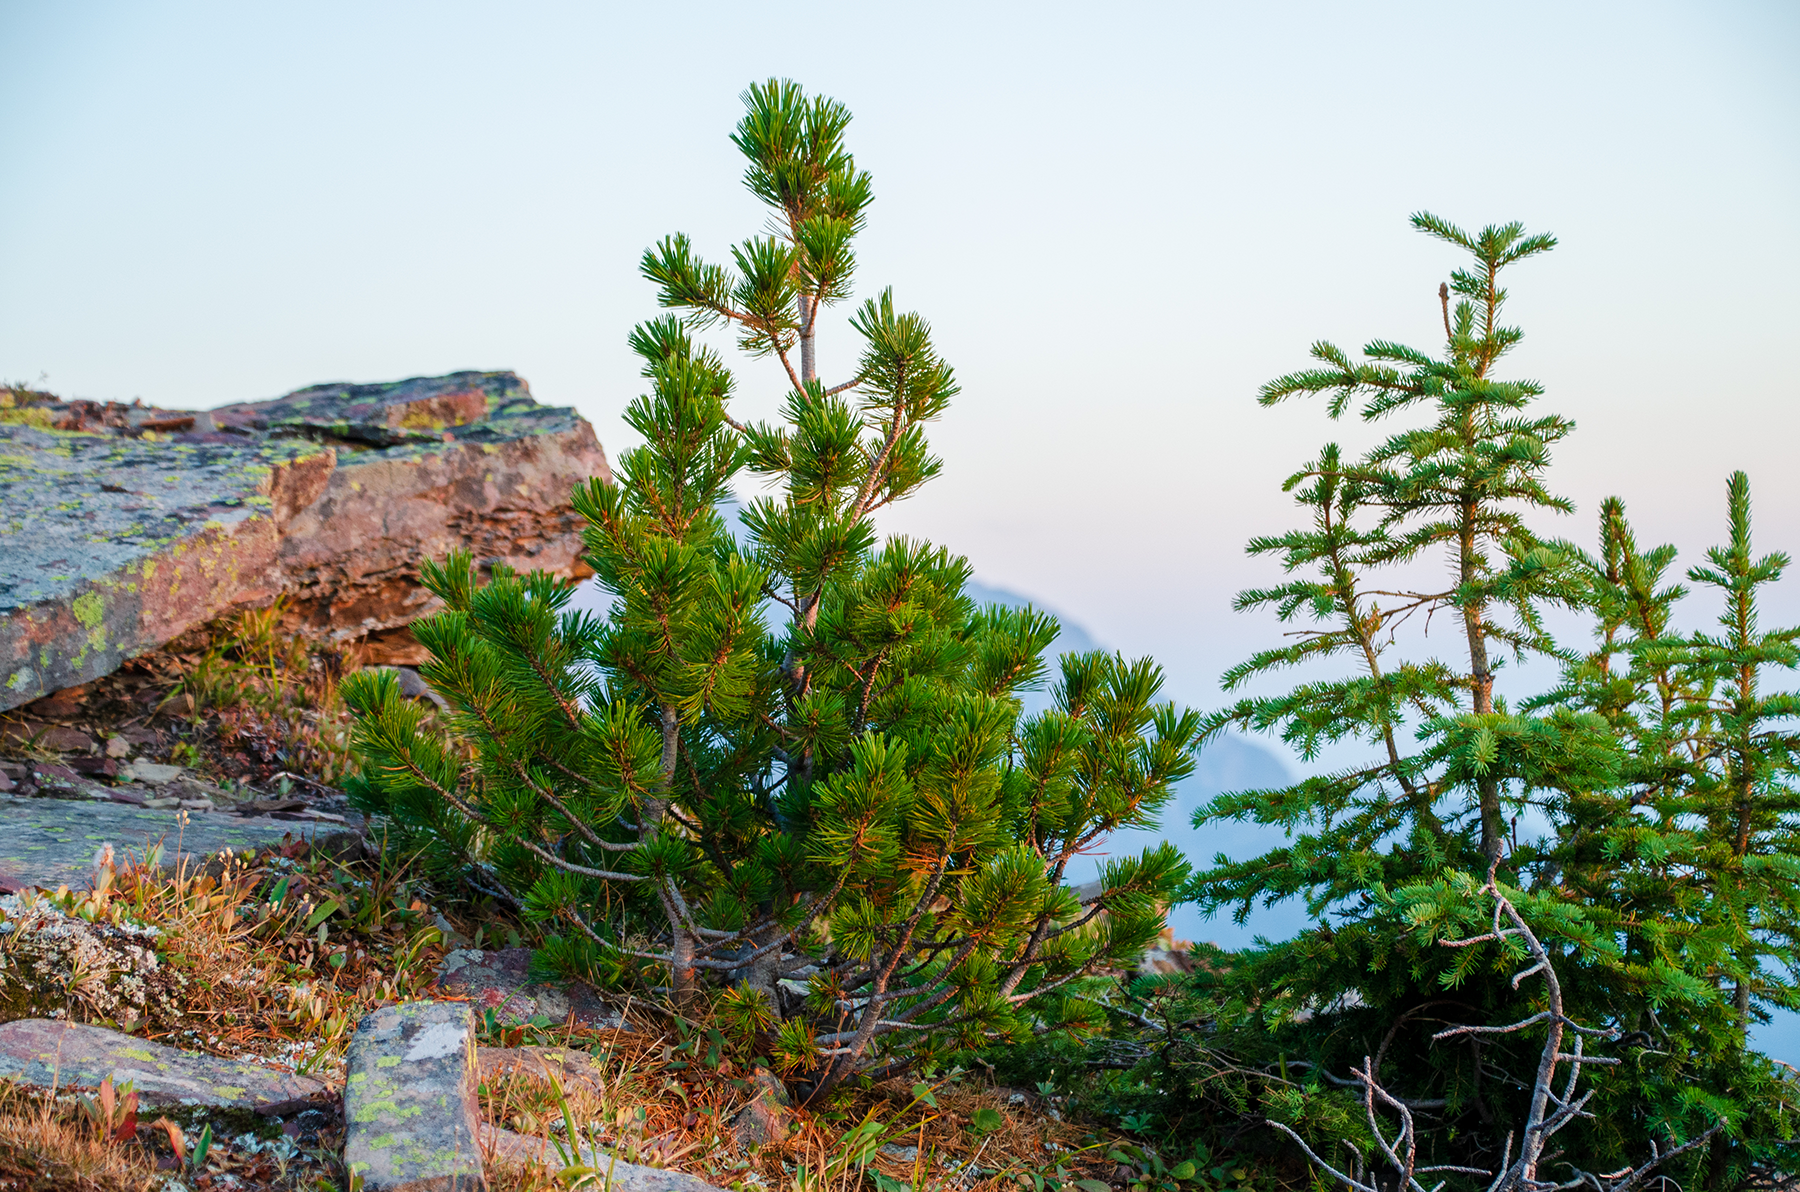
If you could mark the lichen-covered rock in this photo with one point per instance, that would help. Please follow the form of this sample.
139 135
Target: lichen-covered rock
52 842
70 1055
410 1118
126 526
51 962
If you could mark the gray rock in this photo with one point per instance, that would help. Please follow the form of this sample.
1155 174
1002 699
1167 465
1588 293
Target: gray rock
43 1053
410 1119
52 842
150 773
414 686
499 981
126 526
519 1149
571 1069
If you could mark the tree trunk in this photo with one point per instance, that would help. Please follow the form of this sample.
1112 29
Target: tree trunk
1481 692
809 365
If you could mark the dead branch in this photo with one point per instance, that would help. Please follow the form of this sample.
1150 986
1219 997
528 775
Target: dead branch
1548 1111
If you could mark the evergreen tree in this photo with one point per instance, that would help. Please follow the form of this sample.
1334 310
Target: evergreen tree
850 798
1690 859
1385 853
1663 886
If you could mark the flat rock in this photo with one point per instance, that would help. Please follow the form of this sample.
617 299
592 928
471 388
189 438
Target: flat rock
43 1053
52 842
507 1147
127 525
151 773
498 980
411 1123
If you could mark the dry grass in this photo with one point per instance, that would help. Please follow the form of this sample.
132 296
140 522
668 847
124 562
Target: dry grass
668 1094
44 1146
279 954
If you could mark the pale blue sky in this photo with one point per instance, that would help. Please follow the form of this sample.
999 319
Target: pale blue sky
1119 218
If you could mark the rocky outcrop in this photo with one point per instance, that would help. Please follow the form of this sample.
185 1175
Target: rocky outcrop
125 526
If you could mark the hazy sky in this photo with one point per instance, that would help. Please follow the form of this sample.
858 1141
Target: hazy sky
1119 218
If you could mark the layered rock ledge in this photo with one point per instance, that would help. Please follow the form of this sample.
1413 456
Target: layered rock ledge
123 526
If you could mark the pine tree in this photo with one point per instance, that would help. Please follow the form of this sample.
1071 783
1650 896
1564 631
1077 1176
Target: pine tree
850 797
1387 853
1458 485
1689 859
1663 771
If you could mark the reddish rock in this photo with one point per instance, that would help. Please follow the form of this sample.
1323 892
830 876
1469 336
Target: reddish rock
127 526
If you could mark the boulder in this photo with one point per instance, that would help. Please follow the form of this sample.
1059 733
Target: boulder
65 1055
48 843
128 525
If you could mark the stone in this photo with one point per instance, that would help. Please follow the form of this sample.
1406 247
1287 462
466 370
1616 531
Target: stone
64 739
765 1119
151 773
126 526
118 748
104 767
43 1053
64 703
414 686
499 980
507 1147
411 1123
50 843
52 962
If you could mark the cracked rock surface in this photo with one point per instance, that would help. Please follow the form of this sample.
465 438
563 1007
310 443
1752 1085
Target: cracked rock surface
128 525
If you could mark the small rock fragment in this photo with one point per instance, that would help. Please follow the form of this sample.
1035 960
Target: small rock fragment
117 747
153 773
499 980
410 1119
765 1119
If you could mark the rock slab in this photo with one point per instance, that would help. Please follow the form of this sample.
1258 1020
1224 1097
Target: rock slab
53 842
125 526
411 1123
43 1053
